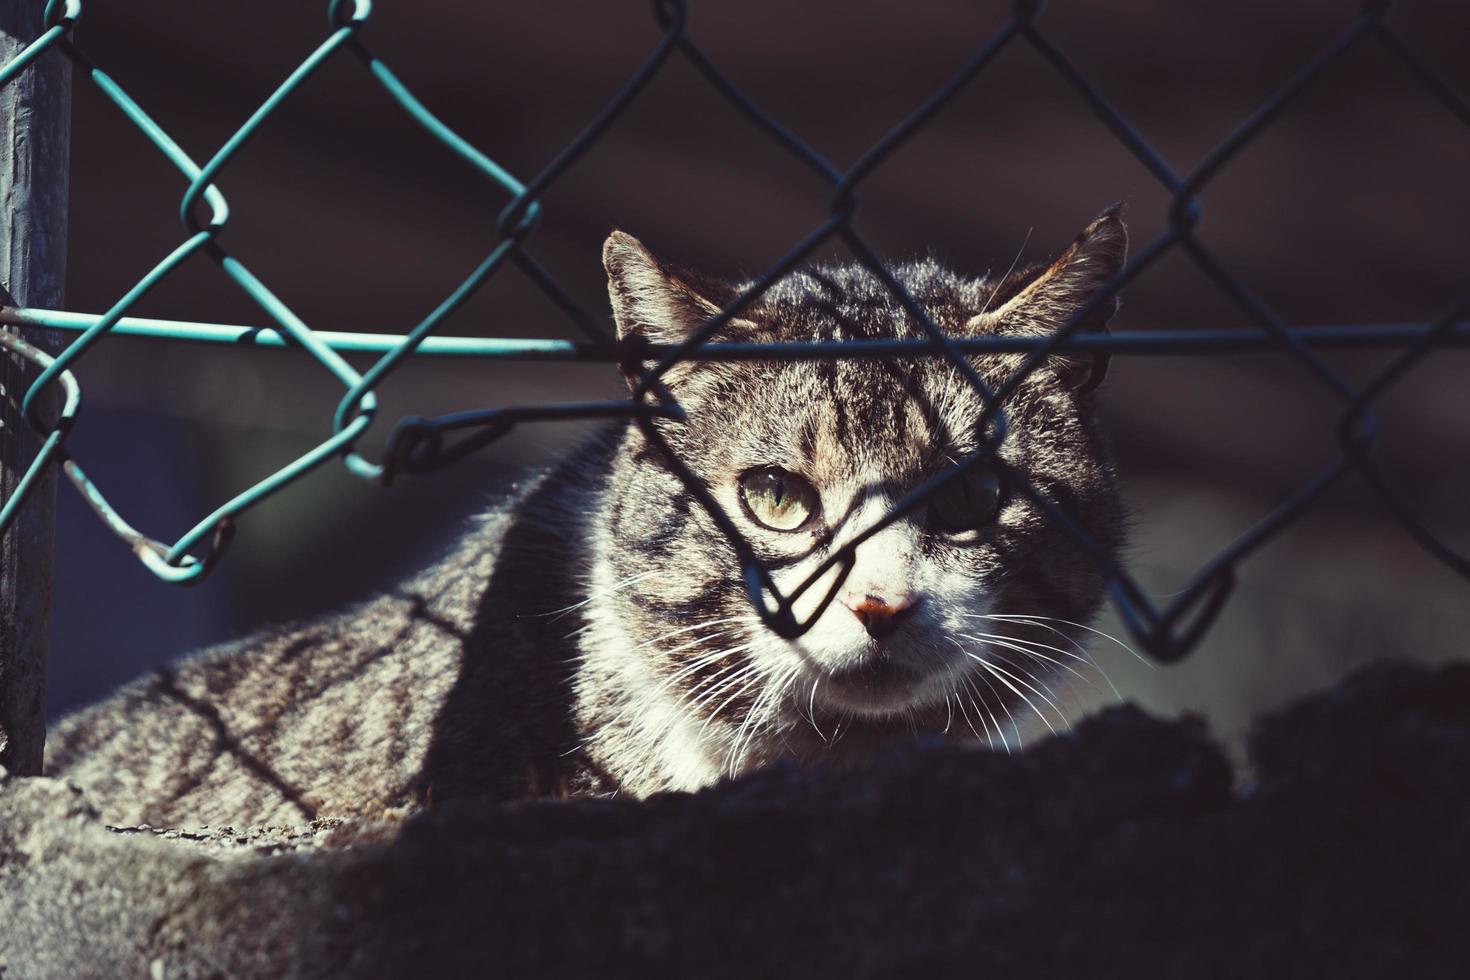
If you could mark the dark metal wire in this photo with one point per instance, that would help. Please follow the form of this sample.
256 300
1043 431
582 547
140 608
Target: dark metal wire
421 445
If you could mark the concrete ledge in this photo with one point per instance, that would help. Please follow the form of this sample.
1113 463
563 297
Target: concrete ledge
1119 850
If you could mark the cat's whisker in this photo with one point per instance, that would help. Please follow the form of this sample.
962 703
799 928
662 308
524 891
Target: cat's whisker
768 703
741 675
794 683
748 723
1082 655
1046 687
1028 649
963 681
989 739
1043 688
616 587
1082 626
688 629
978 702
811 709
684 629
1045 675
579 631
749 672
944 662
629 709
1014 262
1004 643
748 720
702 661
843 721
717 681
681 711
707 637
663 685
1015 725
769 700
1005 677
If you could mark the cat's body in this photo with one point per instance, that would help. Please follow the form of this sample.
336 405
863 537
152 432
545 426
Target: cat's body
401 700
594 635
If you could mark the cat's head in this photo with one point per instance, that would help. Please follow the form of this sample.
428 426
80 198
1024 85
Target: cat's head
803 455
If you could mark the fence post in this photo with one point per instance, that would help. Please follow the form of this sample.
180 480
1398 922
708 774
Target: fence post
35 120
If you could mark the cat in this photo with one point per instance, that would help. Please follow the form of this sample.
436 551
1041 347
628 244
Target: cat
593 634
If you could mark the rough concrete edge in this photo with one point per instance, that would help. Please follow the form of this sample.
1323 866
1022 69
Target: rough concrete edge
232 902
100 899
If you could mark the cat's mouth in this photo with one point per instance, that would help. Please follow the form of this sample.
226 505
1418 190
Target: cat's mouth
879 684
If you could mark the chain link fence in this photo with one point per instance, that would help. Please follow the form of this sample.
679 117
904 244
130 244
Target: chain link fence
422 445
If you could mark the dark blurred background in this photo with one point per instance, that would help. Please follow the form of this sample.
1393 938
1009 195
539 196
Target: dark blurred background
1353 208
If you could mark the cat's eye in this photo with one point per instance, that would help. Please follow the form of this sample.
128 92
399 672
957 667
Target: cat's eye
967 502
777 499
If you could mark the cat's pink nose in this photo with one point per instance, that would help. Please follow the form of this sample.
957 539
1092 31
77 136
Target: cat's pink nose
880 615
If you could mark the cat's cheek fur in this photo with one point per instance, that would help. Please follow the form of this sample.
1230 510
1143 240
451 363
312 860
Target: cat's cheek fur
633 723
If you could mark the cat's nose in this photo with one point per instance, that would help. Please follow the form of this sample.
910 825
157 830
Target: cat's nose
880 615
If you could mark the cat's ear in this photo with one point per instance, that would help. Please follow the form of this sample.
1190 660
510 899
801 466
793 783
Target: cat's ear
660 305
1040 299
649 299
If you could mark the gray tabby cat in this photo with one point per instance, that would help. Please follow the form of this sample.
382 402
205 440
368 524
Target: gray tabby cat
592 635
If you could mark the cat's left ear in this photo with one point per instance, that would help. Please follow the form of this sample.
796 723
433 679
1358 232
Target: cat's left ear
1039 300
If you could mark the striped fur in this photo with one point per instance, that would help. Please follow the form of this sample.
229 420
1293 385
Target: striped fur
592 635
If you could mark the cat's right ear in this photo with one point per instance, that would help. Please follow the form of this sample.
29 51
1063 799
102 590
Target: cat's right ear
649 300
656 304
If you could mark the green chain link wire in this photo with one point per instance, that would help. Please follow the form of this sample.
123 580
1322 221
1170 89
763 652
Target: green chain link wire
358 407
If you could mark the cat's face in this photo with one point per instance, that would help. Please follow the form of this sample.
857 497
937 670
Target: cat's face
805 455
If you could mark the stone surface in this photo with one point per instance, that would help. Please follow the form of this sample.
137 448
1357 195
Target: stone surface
1121 849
